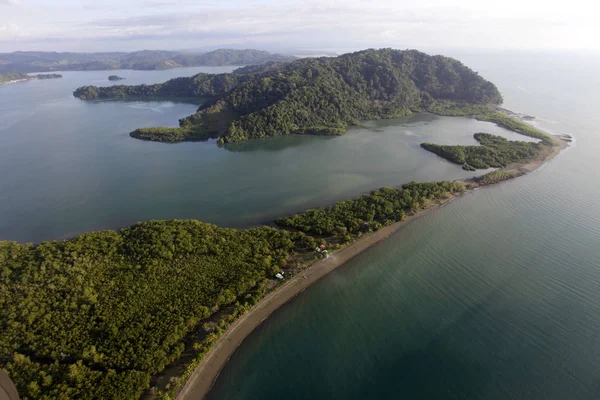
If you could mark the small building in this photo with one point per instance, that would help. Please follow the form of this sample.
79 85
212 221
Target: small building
322 247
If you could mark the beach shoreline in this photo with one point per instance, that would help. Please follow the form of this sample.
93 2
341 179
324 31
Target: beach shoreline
203 378
199 384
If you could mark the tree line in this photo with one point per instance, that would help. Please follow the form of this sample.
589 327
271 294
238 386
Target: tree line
349 219
96 316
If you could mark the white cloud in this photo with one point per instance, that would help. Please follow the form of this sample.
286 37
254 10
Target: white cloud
323 23
9 31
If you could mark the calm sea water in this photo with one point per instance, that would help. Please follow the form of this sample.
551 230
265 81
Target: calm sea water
69 166
495 296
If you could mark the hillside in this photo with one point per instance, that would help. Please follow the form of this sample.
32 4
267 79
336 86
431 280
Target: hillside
313 96
37 61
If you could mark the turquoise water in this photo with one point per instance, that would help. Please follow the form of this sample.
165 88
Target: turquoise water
69 166
494 296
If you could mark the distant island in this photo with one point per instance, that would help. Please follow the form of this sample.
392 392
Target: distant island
115 78
39 61
14 77
157 308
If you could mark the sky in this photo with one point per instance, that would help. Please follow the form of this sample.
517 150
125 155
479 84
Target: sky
128 25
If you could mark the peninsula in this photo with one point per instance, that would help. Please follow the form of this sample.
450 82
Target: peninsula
325 96
161 305
320 96
14 77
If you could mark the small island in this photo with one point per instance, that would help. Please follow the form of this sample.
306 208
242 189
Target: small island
115 78
14 77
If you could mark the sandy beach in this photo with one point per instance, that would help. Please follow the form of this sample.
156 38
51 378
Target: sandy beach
201 381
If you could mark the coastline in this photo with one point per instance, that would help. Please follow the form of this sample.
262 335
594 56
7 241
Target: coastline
199 384
201 381
14 81
38 77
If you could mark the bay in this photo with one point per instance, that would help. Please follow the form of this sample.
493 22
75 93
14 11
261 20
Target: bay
69 166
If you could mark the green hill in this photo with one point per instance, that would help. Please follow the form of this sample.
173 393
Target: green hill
315 95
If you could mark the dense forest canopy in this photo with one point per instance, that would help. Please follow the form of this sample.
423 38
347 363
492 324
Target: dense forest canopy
494 152
95 317
37 61
12 76
316 95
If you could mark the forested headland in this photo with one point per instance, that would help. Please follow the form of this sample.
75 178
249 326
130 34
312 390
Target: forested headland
315 95
97 316
13 76
8 77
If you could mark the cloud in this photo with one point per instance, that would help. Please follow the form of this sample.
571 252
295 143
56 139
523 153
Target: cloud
322 23
9 31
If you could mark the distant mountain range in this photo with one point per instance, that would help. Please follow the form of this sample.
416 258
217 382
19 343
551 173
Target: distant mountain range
38 61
